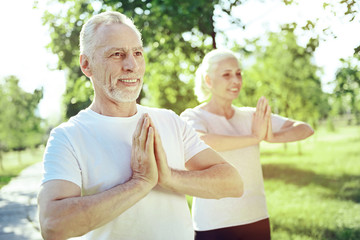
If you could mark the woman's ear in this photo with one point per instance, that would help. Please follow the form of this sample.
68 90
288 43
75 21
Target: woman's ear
85 65
208 81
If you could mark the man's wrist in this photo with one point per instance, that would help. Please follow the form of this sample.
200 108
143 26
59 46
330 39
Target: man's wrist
142 183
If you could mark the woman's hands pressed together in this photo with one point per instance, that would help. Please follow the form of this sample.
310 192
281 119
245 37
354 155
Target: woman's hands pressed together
262 120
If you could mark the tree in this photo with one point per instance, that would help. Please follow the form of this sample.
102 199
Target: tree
20 127
284 73
347 90
176 36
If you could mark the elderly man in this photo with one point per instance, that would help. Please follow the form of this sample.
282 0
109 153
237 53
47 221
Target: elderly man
119 170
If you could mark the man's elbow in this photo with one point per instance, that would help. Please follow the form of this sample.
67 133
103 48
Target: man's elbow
238 189
236 184
50 230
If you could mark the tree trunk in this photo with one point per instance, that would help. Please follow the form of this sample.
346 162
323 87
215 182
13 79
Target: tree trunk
299 148
213 36
19 157
1 162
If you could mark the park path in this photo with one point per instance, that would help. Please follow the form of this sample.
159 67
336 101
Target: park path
18 209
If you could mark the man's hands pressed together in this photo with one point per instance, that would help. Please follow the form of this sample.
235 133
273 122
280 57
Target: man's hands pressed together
143 161
148 157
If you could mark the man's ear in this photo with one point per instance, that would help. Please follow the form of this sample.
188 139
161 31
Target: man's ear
208 81
85 65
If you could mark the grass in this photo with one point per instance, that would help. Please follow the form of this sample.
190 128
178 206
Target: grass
14 163
314 195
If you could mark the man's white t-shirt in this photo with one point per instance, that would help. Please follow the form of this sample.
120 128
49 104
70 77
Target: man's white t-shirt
94 151
209 214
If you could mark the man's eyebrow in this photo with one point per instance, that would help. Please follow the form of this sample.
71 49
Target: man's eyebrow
111 49
123 49
138 48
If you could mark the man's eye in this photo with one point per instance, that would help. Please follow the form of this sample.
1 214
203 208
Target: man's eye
118 54
138 54
226 75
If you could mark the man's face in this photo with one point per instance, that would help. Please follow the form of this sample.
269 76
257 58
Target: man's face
118 64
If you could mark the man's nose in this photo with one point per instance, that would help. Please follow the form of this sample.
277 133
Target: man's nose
130 64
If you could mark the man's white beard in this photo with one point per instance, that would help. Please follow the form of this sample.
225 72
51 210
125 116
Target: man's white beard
124 95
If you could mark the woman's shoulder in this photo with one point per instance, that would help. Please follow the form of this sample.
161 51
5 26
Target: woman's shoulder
192 112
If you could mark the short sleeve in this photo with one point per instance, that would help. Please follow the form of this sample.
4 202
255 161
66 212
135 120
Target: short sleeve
59 159
191 140
194 120
277 122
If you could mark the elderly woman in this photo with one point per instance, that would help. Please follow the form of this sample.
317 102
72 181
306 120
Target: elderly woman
235 132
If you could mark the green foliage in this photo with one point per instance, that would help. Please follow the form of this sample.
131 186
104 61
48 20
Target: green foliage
12 168
176 36
20 127
64 28
347 90
283 72
162 24
169 82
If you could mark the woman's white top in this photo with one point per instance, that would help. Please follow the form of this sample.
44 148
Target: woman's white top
211 214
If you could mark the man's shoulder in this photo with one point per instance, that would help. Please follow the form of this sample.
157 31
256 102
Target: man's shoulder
72 122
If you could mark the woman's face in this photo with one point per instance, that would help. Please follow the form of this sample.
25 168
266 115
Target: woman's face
225 79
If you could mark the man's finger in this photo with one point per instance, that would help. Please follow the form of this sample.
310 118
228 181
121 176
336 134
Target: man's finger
137 131
144 132
150 141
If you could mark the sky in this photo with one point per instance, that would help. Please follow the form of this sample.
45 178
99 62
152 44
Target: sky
23 54
23 41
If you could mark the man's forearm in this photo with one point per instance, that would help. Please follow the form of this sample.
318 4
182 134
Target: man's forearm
217 181
75 216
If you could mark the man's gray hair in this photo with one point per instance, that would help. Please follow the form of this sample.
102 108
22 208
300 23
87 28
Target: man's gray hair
88 31
209 62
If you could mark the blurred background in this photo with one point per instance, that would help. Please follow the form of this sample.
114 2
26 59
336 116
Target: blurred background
302 55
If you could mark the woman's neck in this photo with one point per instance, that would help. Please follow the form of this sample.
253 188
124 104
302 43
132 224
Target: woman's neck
219 107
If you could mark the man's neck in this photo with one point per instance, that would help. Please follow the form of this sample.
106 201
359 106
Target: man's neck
114 109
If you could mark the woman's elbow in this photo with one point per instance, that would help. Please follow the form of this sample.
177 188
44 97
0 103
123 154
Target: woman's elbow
308 131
